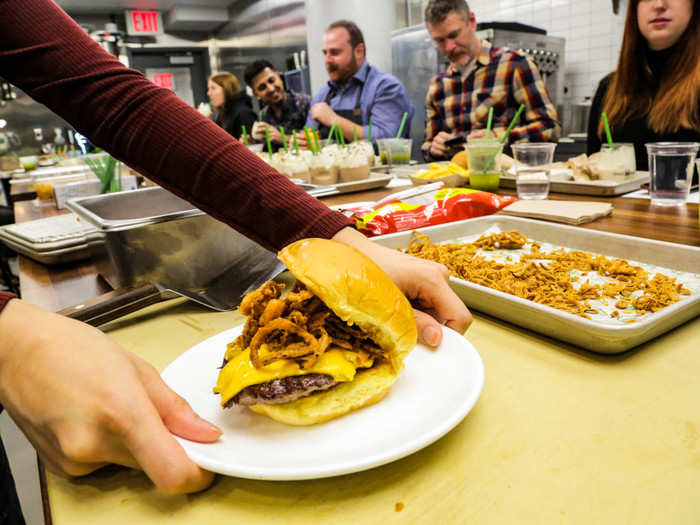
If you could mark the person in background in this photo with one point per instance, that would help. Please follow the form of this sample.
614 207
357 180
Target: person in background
654 94
356 90
232 107
283 108
81 399
480 76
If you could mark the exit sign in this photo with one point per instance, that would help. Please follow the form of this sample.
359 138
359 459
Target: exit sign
164 80
144 23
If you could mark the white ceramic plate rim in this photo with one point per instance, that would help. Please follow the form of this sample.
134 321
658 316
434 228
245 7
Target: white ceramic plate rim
209 353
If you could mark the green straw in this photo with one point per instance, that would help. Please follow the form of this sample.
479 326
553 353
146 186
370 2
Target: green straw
284 140
341 137
354 133
607 131
369 131
403 123
245 136
488 123
260 115
296 144
269 144
332 131
504 137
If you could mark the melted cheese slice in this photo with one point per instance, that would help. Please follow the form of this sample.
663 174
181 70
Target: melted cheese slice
239 372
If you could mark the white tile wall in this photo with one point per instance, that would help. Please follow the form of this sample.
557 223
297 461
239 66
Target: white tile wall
593 33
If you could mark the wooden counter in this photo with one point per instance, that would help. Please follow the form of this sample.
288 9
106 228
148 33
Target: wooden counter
558 435
58 287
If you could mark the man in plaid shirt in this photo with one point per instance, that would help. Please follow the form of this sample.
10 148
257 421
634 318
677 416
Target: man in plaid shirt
480 76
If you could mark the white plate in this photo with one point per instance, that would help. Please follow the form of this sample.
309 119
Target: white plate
433 394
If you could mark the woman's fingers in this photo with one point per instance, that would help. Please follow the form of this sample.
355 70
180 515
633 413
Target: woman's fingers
175 412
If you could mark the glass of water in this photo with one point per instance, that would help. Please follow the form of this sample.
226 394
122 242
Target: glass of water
533 162
671 170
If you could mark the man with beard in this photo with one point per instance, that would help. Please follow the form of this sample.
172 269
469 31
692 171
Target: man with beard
480 76
283 108
356 90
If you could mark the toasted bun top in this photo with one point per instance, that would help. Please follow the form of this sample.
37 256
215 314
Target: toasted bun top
357 290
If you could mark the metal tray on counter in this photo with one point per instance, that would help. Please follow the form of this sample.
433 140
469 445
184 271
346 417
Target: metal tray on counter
375 180
73 253
51 240
602 188
151 235
602 337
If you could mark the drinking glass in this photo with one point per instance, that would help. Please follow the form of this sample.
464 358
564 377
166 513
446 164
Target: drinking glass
616 163
394 151
483 158
533 162
671 170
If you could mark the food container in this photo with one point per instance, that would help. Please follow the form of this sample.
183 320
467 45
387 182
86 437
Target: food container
366 147
394 151
352 166
323 169
484 163
603 337
453 180
617 164
151 235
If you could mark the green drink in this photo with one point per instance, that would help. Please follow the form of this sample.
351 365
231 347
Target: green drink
484 164
484 181
396 158
394 151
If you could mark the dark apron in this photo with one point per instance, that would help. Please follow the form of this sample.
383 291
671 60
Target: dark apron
10 511
353 115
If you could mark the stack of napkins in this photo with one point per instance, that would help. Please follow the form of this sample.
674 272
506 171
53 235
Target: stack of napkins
569 212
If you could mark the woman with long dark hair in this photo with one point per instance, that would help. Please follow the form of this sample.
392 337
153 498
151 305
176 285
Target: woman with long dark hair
232 107
654 94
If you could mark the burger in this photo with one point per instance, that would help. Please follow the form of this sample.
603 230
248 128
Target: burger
334 343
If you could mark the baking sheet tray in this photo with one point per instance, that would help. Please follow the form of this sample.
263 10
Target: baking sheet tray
602 188
76 252
375 180
609 337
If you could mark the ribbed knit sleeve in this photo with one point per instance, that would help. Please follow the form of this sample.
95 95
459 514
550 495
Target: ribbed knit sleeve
45 53
4 299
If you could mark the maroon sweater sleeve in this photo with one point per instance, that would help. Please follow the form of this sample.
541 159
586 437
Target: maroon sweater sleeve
45 53
4 299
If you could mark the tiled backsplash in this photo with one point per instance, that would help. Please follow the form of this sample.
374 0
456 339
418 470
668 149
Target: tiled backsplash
593 33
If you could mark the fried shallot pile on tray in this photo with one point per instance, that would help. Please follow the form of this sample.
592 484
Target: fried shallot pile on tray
548 278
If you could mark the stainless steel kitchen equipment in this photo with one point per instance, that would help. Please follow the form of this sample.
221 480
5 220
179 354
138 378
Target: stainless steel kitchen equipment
416 60
153 236
548 52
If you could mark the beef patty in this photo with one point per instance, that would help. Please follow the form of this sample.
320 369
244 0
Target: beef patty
282 390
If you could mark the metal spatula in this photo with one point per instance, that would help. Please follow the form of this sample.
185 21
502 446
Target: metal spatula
222 293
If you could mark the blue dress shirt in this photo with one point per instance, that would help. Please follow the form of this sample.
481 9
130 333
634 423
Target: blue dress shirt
384 98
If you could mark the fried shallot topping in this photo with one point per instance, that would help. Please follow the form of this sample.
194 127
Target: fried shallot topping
297 327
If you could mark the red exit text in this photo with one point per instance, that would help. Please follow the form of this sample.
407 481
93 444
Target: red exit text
145 21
